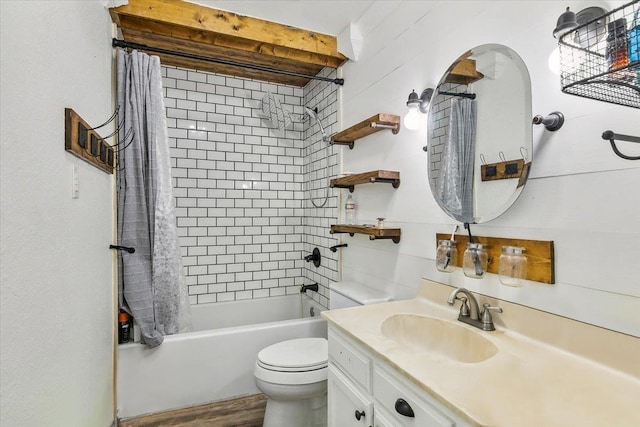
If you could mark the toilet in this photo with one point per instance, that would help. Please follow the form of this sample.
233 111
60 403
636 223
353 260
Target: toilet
293 374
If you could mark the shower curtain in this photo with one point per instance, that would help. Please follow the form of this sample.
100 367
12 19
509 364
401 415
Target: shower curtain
456 179
151 281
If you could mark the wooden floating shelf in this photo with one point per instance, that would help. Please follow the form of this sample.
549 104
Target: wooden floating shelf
350 181
464 72
539 253
366 127
374 233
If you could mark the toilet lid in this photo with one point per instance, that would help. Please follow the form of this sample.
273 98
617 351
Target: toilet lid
299 354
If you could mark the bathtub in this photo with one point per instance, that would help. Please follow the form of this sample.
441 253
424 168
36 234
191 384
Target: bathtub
215 361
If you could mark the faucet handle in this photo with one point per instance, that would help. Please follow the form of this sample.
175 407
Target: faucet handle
464 307
487 321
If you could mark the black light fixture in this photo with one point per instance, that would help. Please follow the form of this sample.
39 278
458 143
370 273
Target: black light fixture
587 35
566 22
417 104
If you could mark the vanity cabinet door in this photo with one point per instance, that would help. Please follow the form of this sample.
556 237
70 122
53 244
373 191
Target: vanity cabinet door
348 406
406 408
382 419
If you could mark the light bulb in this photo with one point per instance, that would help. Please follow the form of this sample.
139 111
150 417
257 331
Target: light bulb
413 119
554 61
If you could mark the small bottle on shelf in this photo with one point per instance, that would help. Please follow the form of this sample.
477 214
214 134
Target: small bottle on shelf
617 51
350 211
634 43
124 327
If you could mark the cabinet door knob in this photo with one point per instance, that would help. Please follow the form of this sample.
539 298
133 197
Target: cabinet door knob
359 414
403 408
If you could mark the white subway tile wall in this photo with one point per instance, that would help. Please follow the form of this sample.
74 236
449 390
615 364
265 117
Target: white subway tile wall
320 165
240 186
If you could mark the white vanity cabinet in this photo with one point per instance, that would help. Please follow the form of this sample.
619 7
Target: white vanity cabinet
363 386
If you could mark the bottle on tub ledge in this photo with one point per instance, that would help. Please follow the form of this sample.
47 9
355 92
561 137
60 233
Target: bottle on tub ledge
125 323
350 211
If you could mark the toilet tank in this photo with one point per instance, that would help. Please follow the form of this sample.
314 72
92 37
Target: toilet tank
352 294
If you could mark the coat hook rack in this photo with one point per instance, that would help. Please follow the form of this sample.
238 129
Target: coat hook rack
84 142
612 136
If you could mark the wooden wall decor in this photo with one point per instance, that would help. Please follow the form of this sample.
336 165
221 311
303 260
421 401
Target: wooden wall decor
540 254
85 143
510 169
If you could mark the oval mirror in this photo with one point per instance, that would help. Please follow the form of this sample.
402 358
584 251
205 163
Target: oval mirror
480 134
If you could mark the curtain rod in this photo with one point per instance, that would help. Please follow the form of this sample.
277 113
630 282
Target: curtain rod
137 46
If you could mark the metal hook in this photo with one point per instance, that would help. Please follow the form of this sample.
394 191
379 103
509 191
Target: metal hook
502 157
482 160
123 248
115 131
113 116
525 154
126 136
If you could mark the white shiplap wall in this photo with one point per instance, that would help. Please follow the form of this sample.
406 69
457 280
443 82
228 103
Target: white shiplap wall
580 194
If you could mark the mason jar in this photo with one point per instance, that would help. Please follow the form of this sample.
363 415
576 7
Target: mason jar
446 256
512 267
474 263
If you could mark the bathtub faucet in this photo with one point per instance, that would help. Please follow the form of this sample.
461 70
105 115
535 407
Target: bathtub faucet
314 257
335 247
306 288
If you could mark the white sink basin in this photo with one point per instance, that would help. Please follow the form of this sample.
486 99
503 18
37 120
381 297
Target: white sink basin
429 335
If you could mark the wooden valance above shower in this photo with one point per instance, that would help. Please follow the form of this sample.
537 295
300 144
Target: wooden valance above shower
180 26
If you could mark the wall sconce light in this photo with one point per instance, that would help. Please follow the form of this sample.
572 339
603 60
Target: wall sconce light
591 25
589 35
566 22
417 106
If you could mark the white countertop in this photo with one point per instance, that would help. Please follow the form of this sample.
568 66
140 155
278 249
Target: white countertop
527 383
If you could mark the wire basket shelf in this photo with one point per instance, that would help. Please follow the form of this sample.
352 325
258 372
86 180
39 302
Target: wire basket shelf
600 59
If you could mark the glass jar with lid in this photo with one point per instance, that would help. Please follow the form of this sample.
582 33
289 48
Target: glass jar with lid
446 256
475 259
512 267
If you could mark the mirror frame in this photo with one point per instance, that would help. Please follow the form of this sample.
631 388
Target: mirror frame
502 113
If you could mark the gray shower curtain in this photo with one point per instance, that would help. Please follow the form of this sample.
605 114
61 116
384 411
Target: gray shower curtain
456 179
151 281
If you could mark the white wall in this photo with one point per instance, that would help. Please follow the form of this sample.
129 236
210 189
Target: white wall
580 194
57 311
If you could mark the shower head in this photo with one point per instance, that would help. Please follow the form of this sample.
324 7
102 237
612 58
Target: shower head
311 113
314 113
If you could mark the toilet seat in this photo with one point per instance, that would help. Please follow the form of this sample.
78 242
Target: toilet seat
294 362
299 355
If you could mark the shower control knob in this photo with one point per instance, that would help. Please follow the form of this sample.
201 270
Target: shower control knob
359 414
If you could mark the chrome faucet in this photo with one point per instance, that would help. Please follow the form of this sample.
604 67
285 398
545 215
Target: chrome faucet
470 314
